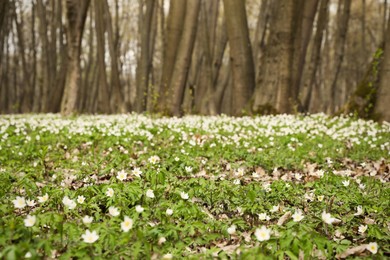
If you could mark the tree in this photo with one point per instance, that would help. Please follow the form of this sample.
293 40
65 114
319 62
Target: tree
144 66
343 14
383 94
241 58
76 12
177 9
183 57
274 91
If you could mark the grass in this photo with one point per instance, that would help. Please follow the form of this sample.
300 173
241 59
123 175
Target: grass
222 187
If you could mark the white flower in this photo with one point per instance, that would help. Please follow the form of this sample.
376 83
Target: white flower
359 211
90 237
110 192
263 216
309 196
237 182
177 159
43 199
274 209
372 247
28 255
362 229
29 221
139 208
127 224
267 187
80 199
328 219
137 172
188 169
19 202
169 212
362 186
232 229
184 195
320 197
113 211
87 219
70 204
240 172
297 216
298 176
30 203
167 257
319 173
161 240
122 175
346 183
263 234
150 193
154 159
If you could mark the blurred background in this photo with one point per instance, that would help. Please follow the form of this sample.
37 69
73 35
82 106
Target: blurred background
208 57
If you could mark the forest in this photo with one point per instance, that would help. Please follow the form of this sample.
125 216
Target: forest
194 129
195 57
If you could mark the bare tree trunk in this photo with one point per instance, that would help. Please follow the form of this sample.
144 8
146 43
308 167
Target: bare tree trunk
183 58
383 94
175 23
25 102
144 66
308 91
341 35
207 37
274 92
118 104
241 57
103 91
4 30
309 12
57 89
76 15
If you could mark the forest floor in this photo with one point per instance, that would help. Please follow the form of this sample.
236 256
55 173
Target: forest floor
139 187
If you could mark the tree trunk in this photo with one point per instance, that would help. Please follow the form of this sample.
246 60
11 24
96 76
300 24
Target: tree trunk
339 43
241 56
383 94
118 104
177 9
76 15
183 58
308 91
274 91
103 88
309 12
144 66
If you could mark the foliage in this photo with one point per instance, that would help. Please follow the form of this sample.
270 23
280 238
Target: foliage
192 187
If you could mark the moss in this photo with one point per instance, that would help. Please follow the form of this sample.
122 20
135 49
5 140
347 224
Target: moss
362 101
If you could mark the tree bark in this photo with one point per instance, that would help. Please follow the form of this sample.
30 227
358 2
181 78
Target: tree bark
339 43
241 56
175 23
76 15
383 94
184 55
103 88
117 104
309 92
144 66
274 91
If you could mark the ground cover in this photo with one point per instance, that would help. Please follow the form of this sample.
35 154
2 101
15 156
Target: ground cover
138 187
